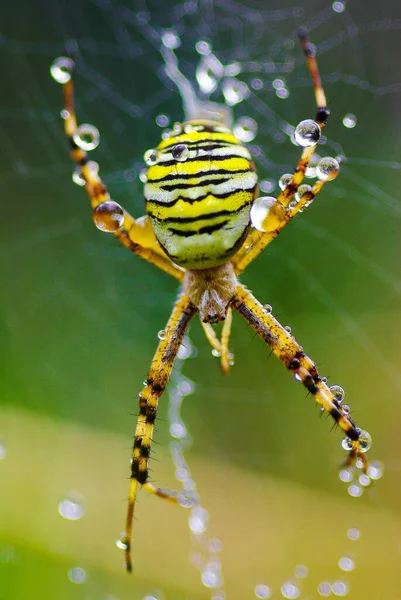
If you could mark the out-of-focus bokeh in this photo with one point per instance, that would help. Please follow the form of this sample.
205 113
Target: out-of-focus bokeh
80 315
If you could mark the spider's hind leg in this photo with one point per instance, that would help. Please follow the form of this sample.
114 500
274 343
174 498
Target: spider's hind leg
156 383
292 356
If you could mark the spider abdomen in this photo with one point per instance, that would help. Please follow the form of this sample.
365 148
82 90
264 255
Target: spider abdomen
200 186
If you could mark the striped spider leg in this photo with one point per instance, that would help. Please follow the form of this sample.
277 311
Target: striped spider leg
292 356
271 215
135 234
156 382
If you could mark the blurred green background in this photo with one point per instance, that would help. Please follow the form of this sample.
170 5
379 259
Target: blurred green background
80 314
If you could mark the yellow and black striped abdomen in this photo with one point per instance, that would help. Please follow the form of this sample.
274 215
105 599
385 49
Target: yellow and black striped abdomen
199 192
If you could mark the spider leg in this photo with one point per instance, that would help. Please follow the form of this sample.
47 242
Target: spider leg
135 234
221 346
156 383
292 356
281 212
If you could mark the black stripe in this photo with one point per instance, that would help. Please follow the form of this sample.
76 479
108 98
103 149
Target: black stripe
207 229
221 196
174 176
202 144
205 217
210 158
185 186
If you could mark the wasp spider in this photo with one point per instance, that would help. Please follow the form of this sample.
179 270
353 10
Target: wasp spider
204 225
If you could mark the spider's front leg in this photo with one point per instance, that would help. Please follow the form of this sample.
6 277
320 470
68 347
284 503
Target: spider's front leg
270 215
135 234
291 354
156 382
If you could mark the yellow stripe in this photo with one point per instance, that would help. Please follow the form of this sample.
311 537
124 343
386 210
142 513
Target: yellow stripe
198 136
195 167
210 204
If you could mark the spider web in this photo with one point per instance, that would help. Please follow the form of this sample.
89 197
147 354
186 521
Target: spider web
80 332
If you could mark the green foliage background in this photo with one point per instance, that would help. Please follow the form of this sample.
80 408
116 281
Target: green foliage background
80 316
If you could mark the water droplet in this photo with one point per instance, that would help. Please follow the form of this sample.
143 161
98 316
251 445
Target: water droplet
3 450
338 7
203 48
365 440
301 191
262 591
180 152
346 563
338 393
211 577
349 121
290 590
162 120
346 475
287 328
375 470
178 430
143 175
77 177
234 91
267 308
340 588
313 162
298 378
161 334
61 69
353 533
245 129
170 39
327 169
185 350
150 157
71 509
198 520
120 543
187 500
216 353
364 480
324 588
284 180
346 409
355 490
282 93
209 72
278 83
64 114
260 210
307 133
185 386
346 443
215 545
232 69
86 137
108 216
301 571
77 575
267 185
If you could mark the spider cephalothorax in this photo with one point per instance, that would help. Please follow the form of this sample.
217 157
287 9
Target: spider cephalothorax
204 227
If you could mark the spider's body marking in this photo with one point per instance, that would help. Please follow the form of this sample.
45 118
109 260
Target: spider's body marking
199 206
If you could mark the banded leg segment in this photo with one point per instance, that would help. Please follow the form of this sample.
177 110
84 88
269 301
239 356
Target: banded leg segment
281 213
221 346
291 354
156 383
137 235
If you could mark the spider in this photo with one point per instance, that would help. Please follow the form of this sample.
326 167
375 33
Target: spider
204 225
